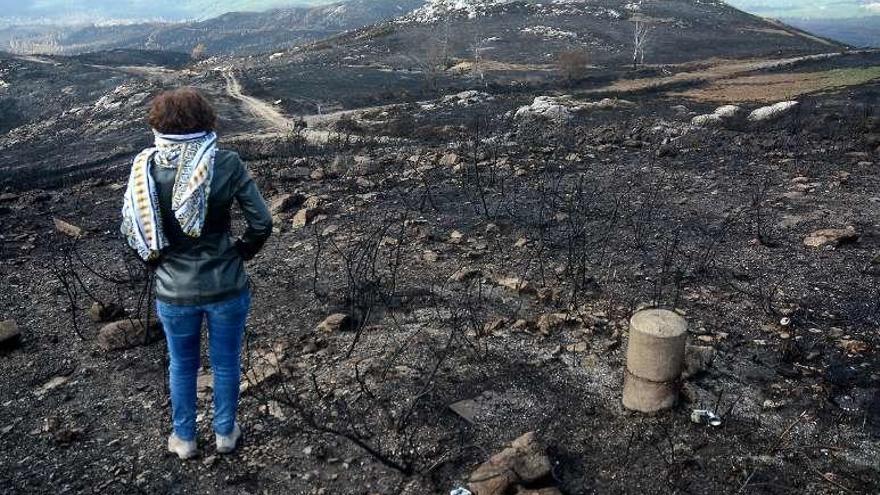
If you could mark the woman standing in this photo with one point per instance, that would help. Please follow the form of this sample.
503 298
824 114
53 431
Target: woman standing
176 215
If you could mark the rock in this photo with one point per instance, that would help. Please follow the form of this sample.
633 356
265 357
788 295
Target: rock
67 229
727 112
515 284
467 409
524 461
831 237
697 358
551 322
449 159
854 347
722 116
274 409
772 112
771 404
522 324
545 108
335 323
708 120
100 312
304 217
313 202
10 334
285 202
265 365
125 334
204 384
51 384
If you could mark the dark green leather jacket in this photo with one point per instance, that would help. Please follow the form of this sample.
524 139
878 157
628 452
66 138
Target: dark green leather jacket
210 268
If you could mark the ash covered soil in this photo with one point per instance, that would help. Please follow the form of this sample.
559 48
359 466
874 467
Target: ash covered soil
479 253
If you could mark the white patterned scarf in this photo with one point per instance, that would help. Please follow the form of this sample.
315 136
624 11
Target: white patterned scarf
193 157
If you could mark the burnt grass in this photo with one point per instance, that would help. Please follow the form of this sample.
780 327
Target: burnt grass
601 215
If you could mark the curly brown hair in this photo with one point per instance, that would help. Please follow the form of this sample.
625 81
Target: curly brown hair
182 111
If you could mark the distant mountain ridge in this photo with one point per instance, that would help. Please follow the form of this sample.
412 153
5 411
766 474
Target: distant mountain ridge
248 33
856 31
234 33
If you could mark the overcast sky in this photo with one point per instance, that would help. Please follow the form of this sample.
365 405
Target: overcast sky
189 9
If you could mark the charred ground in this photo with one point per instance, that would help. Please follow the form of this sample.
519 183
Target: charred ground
476 254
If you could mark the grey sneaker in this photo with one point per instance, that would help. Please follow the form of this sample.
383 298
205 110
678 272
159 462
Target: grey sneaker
185 449
228 443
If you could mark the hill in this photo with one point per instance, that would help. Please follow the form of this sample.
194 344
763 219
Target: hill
505 44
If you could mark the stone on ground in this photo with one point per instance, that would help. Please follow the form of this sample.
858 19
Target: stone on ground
67 228
545 108
10 334
831 237
773 112
125 334
722 115
335 323
515 284
101 312
523 462
304 217
264 365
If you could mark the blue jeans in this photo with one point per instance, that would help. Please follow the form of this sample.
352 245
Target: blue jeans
183 329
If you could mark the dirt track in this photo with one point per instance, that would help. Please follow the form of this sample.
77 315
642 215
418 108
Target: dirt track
255 106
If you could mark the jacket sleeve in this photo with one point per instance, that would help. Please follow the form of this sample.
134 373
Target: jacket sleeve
256 214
